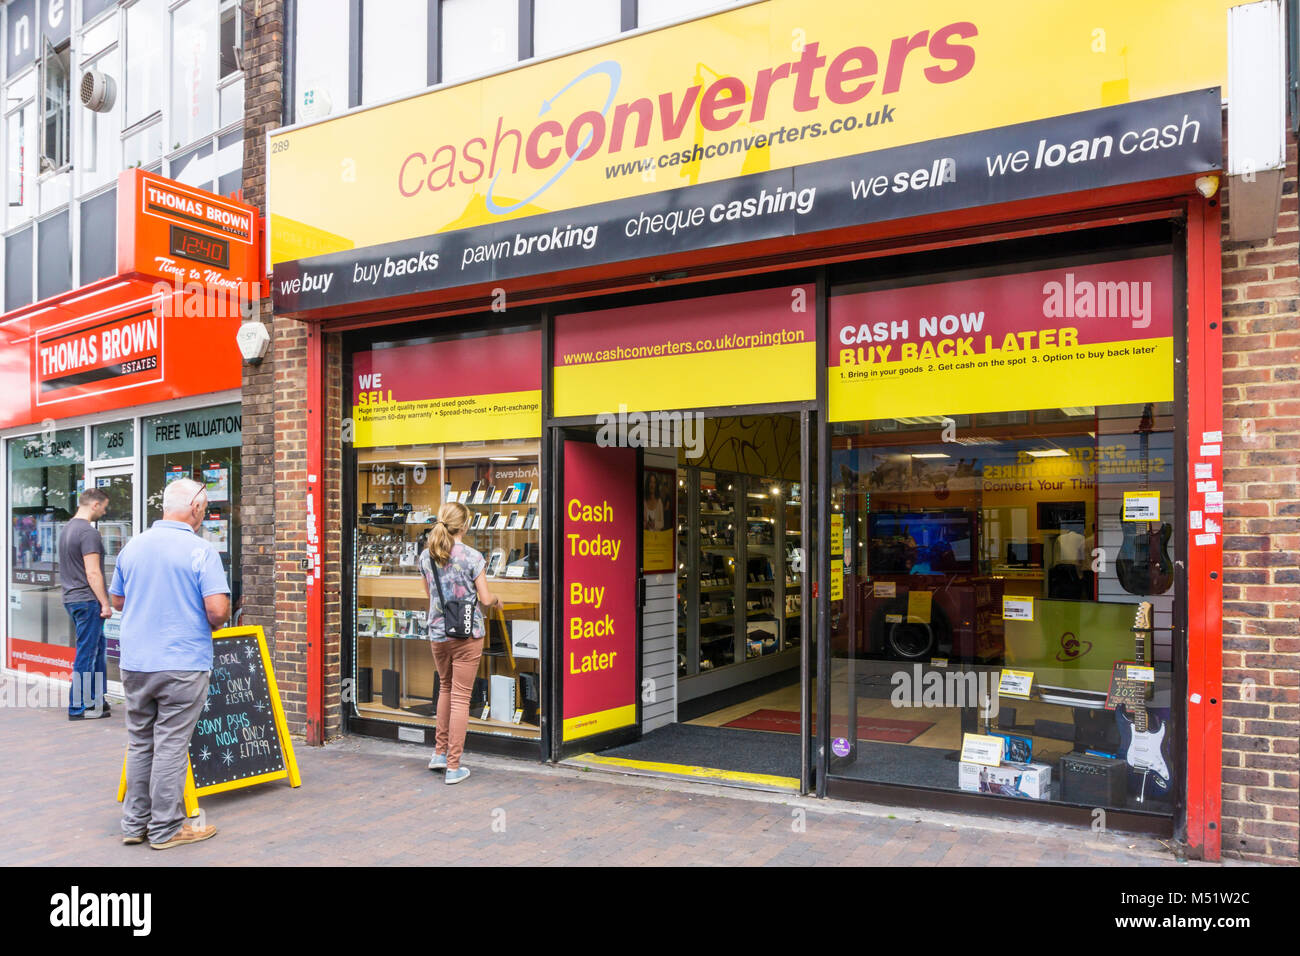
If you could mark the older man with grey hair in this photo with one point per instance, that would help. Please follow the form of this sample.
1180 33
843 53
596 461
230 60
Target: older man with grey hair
172 592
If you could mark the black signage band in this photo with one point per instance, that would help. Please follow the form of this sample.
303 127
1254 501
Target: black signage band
1148 139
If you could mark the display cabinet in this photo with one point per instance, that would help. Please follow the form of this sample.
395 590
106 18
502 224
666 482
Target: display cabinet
738 594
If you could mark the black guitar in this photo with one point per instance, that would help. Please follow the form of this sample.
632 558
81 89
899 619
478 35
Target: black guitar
1143 565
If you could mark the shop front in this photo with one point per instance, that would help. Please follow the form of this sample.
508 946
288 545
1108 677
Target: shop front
123 385
838 421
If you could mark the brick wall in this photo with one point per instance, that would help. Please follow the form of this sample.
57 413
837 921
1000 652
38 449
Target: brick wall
1261 544
274 489
265 386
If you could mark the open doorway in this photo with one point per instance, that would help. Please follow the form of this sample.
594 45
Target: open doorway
724 512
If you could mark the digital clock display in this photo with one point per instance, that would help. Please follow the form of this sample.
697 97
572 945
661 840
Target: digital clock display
198 247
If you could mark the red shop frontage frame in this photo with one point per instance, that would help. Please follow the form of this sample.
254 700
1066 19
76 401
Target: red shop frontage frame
1167 199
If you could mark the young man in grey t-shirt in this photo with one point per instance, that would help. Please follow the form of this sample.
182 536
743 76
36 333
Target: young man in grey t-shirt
81 572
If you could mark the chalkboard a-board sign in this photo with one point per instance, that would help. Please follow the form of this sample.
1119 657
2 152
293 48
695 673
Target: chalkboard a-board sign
241 738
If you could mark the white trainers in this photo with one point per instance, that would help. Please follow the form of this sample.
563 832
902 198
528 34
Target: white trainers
438 762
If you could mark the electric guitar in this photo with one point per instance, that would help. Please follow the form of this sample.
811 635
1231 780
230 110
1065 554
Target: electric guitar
1143 565
1145 750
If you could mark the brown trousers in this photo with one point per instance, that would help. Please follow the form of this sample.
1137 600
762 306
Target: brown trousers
457 663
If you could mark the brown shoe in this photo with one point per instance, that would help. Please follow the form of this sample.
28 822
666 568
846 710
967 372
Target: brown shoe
187 834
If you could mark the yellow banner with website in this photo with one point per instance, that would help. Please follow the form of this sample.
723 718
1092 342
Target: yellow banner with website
749 348
763 87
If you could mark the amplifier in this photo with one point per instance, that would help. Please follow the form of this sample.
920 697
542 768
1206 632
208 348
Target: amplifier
365 685
1094 781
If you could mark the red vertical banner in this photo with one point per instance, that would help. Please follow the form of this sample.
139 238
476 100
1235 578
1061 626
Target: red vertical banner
599 589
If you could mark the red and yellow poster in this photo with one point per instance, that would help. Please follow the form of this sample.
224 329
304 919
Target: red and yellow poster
1076 336
742 349
473 389
599 589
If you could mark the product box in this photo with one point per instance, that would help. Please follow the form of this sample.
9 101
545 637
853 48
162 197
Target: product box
1032 780
526 638
502 698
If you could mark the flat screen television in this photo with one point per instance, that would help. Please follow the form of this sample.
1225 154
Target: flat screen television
921 542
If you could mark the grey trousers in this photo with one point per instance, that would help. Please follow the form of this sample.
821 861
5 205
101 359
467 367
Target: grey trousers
162 708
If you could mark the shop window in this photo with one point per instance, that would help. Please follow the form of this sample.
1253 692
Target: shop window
232 41
655 12
144 67
21 162
1004 576
113 440
53 255
321 59
55 108
144 146
98 219
18 269
194 71
203 444
230 161
97 38
401 482
565 25
478 36
230 84
195 167
394 49
45 478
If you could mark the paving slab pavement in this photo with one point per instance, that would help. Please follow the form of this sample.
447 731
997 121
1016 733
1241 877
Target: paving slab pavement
368 802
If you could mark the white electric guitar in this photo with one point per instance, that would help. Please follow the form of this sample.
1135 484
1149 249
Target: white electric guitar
1144 749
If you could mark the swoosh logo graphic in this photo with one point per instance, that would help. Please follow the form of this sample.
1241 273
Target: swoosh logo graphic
609 68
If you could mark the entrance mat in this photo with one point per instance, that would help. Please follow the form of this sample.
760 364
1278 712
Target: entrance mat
869 728
714 749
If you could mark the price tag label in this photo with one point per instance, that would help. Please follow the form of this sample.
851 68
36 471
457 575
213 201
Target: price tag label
938 662
1016 684
1141 506
885 589
518 717
981 749
515 571
1140 672
837 580
1017 609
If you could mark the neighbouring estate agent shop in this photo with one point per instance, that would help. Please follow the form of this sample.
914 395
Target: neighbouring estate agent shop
124 384
830 417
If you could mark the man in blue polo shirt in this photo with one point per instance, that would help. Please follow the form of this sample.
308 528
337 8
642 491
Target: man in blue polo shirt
172 592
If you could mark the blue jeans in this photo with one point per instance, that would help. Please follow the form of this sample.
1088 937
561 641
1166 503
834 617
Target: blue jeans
90 667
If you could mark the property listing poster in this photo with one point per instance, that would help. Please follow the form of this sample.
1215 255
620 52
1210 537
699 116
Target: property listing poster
599 589
470 389
1098 334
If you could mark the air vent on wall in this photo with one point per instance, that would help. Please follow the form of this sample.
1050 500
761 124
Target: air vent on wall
98 91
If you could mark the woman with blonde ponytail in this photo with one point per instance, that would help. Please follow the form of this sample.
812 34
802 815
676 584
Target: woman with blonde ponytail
461 572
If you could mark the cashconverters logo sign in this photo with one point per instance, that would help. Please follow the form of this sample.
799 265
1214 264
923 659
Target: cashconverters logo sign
768 120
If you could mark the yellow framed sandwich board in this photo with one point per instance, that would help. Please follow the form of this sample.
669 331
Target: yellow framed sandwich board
241 738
